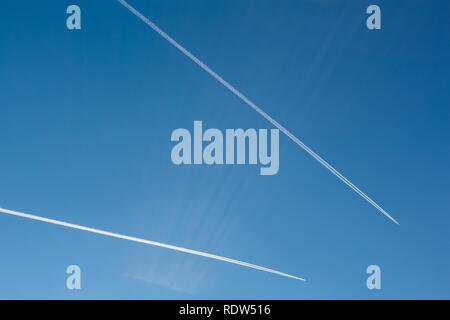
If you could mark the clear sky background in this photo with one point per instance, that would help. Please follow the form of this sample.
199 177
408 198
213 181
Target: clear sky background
86 118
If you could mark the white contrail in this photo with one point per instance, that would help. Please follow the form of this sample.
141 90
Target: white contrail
255 107
152 243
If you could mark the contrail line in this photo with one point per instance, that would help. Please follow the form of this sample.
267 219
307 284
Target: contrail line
149 242
255 107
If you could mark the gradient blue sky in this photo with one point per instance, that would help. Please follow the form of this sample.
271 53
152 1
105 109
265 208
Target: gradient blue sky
86 118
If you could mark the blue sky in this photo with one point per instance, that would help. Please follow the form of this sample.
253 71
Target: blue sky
85 137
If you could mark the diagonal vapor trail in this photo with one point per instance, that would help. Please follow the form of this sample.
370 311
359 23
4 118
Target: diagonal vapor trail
149 242
256 108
